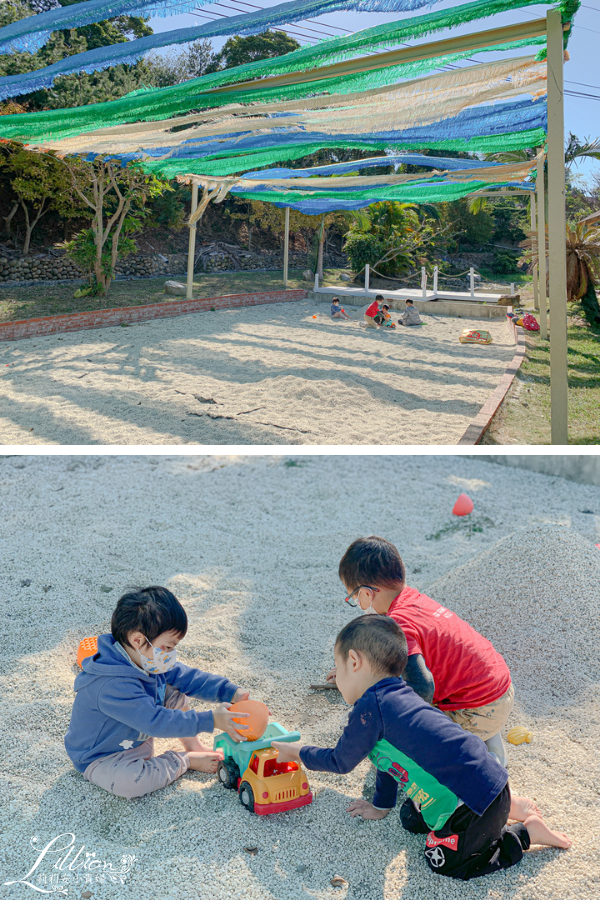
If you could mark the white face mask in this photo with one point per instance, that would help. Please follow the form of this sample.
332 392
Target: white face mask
162 660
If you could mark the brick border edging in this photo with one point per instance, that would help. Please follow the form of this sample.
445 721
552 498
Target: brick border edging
105 318
477 428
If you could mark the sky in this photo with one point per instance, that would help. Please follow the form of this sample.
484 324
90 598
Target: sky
582 114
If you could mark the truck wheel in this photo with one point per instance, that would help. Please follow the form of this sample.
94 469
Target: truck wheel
246 796
228 773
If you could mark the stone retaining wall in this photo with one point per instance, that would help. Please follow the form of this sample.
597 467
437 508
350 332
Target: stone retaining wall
32 269
130 315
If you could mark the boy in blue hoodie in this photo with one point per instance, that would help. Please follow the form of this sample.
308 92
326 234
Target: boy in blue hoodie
133 690
457 793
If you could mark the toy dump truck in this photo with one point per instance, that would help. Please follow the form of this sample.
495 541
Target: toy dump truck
264 785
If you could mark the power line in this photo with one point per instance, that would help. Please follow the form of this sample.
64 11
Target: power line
581 94
583 84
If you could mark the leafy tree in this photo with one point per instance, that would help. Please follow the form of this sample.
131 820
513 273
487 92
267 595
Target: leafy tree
390 237
195 60
237 51
468 229
39 183
116 197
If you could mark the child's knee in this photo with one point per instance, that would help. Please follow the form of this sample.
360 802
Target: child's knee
411 818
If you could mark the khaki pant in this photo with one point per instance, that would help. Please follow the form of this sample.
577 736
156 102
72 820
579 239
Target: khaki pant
133 773
485 721
371 323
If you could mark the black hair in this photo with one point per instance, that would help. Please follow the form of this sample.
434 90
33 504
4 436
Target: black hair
371 561
335 300
408 300
151 611
380 297
378 638
385 306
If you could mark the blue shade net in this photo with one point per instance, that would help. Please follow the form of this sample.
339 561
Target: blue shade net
31 33
357 165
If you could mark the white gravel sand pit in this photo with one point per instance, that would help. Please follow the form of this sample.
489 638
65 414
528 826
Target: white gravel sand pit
251 546
268 374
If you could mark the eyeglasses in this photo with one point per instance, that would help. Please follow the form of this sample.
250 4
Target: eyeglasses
350 598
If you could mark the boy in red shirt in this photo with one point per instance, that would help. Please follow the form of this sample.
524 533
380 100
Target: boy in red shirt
449 663
373 314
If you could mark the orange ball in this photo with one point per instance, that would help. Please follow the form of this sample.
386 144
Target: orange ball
464 506
257 720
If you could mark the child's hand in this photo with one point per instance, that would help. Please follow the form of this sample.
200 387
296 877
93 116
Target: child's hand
240 694
366 810
331 676
223 719
287 752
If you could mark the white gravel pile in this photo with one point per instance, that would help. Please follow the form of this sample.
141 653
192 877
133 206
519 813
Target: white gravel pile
270 374
251 547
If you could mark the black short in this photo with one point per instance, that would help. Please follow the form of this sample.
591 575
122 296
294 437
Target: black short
468 845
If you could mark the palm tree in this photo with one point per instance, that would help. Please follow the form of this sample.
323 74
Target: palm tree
583 264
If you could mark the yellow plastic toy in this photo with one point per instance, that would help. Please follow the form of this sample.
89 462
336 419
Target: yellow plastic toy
87 647
519 735
269 786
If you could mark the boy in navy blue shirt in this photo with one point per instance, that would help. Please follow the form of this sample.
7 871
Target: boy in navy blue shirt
133 690
457 793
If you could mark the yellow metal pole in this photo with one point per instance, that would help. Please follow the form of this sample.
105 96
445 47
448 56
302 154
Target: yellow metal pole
192 245
286 246
557 254
541 224
532 228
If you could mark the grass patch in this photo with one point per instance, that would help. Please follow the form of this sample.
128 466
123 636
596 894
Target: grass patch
524 418
50 300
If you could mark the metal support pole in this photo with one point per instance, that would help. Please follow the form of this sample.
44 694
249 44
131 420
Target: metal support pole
435 280
557 254
541 224
532 228
512 289
192 245
316 281
472 280
367 273
286 246
424 282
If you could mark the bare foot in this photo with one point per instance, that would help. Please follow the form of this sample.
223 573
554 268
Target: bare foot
204 761
539 833
521 808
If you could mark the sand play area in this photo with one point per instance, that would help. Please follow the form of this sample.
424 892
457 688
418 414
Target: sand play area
268 374
251 545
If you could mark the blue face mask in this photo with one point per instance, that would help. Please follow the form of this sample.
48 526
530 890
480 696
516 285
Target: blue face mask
162 660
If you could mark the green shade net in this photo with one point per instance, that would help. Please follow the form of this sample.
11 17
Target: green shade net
151 105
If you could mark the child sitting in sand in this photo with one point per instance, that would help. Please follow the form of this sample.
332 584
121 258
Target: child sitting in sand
133 690
337 312
410 316
449 664
373 315
458 795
